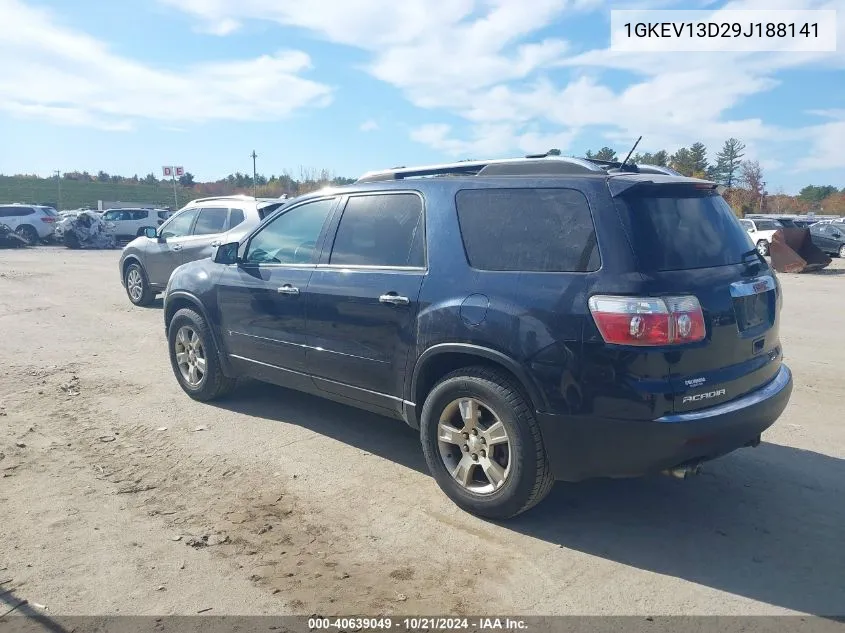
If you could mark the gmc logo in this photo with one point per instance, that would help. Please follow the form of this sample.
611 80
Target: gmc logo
703 396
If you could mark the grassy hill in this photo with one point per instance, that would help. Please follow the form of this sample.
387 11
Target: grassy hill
77 193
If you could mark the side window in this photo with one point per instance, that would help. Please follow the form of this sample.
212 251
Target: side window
211 221
140 214
163 215
236 216
291 238
111 216
746 225
179 225
381 230
532 230
8 212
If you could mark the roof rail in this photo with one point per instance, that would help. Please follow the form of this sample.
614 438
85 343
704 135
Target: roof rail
237 196
538 165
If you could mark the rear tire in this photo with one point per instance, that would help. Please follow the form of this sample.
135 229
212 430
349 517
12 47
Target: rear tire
190 345
137 286
763 248
516 482
28 233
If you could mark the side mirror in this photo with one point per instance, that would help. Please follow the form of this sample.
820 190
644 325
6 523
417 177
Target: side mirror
150 232
226 253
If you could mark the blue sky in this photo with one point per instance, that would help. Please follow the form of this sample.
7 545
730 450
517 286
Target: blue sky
353 85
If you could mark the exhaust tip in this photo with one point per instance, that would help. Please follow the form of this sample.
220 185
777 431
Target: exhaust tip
684 471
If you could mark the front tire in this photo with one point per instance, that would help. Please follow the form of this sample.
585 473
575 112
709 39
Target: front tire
137 287
763 247
482 444
842 252
194 358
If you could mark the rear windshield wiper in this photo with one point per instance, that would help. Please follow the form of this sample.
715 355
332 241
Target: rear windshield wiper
759 259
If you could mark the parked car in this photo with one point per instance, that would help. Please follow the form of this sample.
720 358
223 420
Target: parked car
556 319
147 261
761 232
32 222
130 223
829 237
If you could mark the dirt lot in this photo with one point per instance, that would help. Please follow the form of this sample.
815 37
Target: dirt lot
120 495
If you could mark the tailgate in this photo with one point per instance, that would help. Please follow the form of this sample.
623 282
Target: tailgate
688 242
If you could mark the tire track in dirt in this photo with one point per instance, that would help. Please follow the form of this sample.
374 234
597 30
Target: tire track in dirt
237 513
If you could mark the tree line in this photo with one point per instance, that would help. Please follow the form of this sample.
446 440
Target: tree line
309 179
743 179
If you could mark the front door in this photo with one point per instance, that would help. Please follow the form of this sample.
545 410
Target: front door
210 224
262 298
165 253
362 301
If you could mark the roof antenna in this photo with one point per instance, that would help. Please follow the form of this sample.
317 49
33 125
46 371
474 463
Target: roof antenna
631 152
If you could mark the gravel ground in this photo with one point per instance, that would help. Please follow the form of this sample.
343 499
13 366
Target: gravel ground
120 495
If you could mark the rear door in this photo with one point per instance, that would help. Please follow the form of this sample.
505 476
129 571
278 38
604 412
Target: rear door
687 242
12 216
362 300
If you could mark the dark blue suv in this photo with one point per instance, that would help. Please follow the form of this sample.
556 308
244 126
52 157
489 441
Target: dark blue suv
536 319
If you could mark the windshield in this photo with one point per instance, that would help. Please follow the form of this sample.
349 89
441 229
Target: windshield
678 228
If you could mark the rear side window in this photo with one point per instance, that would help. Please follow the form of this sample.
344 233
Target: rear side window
14 212
381 230
531 230
236 216
210 221
675 228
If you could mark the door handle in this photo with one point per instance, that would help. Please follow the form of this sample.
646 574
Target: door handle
392 298
287 289
215 243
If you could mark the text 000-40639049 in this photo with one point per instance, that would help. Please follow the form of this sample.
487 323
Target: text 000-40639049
726 31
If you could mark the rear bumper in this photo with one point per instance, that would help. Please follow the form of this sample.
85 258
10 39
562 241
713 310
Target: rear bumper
583 447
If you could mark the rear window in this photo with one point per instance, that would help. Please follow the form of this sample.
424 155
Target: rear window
768 225
677 229
531 230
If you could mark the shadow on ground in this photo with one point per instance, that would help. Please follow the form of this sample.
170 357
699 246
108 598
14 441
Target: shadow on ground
765 523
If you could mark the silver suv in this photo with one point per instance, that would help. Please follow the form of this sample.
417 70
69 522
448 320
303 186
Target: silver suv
32 222
192 232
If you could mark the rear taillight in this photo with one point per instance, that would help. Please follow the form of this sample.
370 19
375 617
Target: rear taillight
48 219
648 320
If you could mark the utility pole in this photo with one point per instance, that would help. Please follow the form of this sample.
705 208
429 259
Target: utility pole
59 184
253 156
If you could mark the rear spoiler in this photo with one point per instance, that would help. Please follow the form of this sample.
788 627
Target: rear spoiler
622 183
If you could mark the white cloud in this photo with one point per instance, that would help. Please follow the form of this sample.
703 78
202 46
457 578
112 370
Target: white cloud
370 125
51 72
482 61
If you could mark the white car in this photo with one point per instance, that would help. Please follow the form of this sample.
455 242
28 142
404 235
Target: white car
130 223
761 232
32 222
